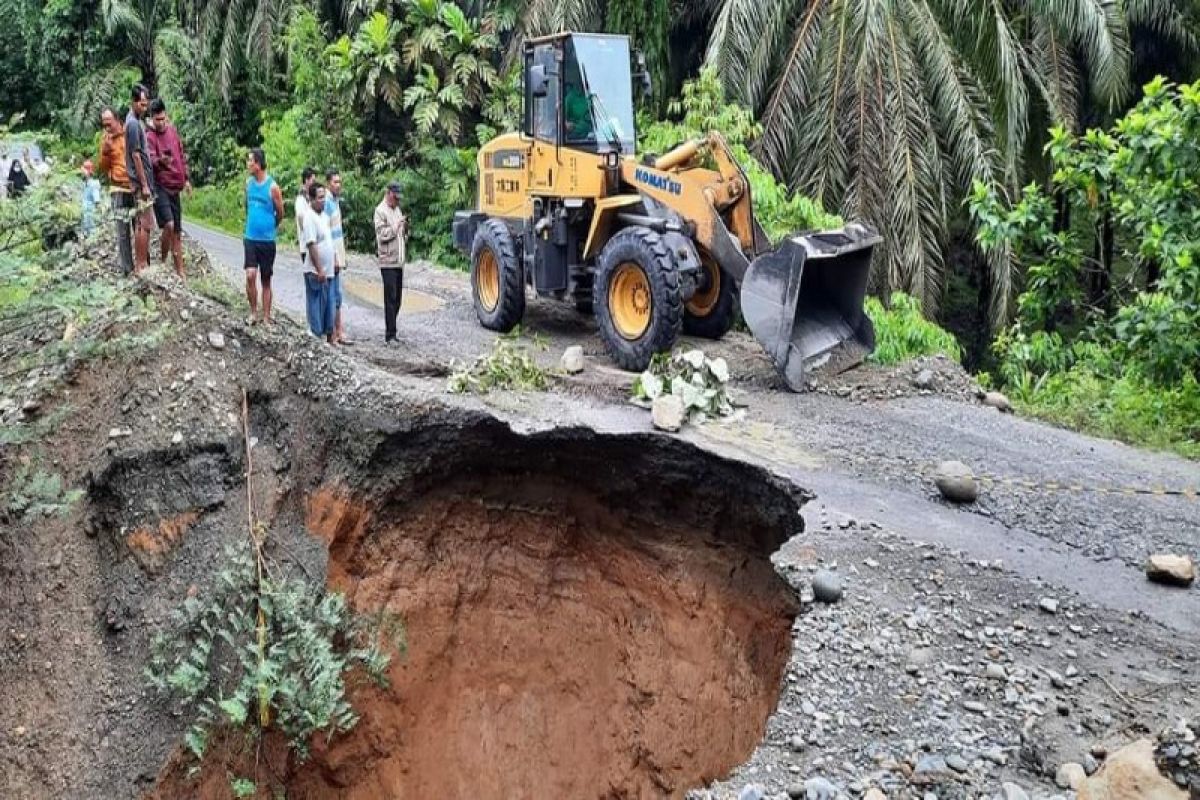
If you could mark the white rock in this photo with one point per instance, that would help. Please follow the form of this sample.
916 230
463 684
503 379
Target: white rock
177 438
216 340
666 413
1070 775
572 360
1170 569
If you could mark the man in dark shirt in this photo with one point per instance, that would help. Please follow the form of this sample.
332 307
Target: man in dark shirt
171 178
141 175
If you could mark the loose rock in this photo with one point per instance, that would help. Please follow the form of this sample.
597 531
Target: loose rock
666 413
1070 775
819 789
1171 570
827 586
216 340
924 380
956 482
957 763
1130 773
572 360
997 400
1010 791
1049 605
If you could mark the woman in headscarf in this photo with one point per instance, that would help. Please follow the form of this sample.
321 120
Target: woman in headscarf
18 181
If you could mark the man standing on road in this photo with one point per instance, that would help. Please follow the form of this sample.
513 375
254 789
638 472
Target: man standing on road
333 210
317 240
141 176
300 207
390 230
171 177
90 200
120 193
264 212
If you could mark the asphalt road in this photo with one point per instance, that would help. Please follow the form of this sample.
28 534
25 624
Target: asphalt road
868 461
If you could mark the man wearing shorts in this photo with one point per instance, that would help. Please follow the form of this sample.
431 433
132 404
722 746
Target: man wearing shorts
141 176
264 212
317 240
171 178
333 210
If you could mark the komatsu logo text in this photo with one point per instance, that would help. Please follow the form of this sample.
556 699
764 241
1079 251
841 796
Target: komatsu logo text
657 181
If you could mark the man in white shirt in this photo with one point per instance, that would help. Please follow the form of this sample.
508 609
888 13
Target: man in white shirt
317 241
301 206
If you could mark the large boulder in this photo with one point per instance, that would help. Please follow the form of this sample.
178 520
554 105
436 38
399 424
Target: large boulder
956 482
1130 774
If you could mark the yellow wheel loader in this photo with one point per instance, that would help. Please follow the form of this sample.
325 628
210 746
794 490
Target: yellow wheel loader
653 246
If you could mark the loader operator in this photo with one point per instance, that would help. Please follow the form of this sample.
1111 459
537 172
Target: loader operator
577 112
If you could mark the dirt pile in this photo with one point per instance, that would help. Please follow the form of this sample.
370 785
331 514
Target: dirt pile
924 375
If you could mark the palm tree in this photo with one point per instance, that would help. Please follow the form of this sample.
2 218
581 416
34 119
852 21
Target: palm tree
889 109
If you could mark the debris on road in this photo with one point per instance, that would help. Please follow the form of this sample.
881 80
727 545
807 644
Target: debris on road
956 482
699 382
1171 570
996 400
666 413
572 360
827 586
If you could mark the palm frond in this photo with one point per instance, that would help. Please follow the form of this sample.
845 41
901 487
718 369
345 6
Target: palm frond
1097 28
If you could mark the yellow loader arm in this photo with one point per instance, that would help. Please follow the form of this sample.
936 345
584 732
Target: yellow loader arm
803 301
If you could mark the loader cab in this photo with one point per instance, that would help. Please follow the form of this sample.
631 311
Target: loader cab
578 92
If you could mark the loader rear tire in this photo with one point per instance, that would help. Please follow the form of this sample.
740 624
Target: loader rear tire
713 308
497 288
637 297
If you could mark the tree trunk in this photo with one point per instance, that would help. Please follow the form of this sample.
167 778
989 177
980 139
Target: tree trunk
1153 272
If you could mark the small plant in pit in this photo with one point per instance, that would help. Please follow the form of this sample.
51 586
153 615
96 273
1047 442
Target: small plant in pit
508 366
34 492
902 332
698 381
269 650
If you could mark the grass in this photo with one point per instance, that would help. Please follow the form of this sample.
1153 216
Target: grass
902 332
34 492
1127 408
217 206
507 366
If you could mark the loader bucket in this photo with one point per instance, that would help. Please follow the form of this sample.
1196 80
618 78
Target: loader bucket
804 302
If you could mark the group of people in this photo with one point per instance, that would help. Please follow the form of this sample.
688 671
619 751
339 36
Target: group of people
320 234
147 171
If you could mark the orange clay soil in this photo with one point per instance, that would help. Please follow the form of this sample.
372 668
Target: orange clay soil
557 649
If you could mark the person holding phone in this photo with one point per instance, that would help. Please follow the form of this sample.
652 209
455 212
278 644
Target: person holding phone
171 177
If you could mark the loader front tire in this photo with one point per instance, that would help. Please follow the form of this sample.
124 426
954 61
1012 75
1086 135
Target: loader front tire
637 297
497 288
711 311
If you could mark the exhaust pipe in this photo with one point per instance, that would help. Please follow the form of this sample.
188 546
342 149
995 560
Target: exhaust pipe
804 302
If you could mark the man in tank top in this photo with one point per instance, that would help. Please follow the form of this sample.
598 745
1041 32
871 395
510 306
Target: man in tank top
264 212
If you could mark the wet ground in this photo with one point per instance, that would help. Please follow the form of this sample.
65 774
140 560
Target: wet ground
939 599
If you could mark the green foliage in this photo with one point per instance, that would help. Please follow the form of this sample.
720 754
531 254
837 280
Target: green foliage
508 366
268 648
218 206
33 492
452 62
242 787
700 383
441 181
902 332
1128 371
703 109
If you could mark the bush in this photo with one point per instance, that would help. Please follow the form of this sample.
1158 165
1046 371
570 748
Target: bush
902 332
219 206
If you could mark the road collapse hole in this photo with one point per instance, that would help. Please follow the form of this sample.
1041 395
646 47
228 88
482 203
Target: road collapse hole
588 617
